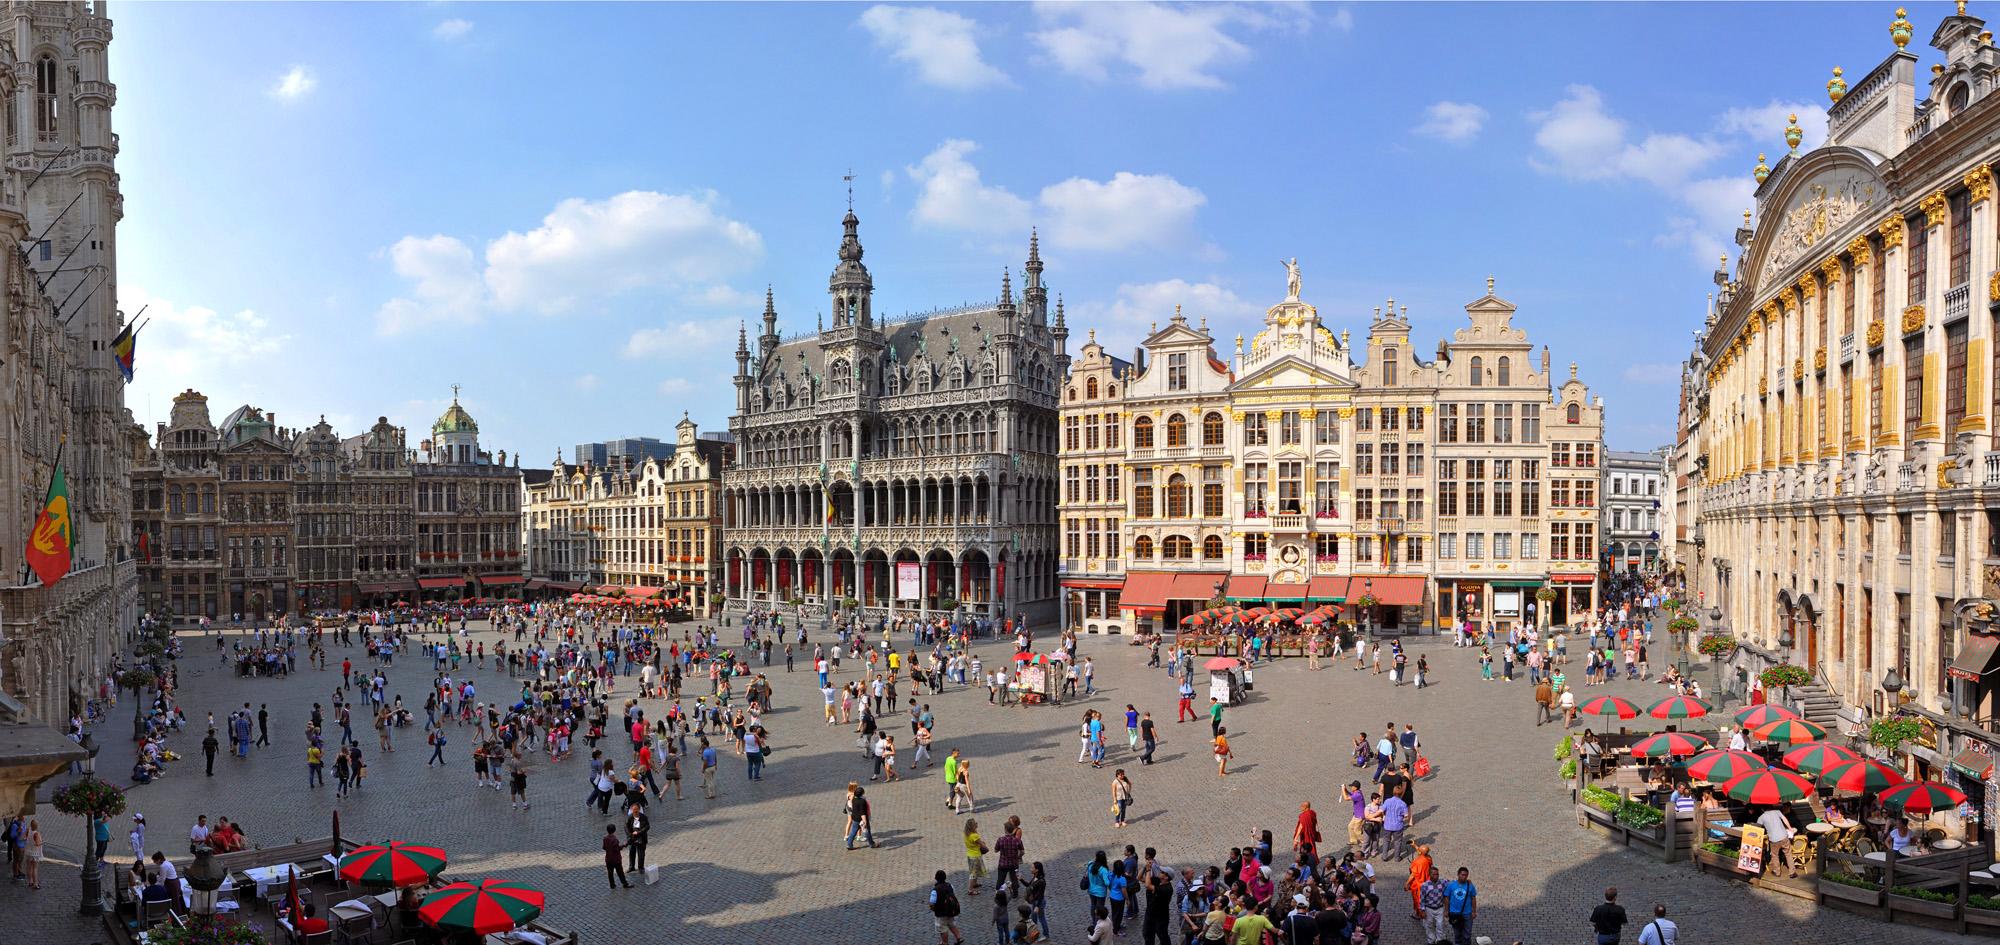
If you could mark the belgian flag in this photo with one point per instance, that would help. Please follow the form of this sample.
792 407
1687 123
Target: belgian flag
52 541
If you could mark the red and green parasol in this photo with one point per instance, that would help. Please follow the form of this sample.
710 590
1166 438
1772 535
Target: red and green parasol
1860 776
490 906
392 864
1679 707
1202 619
1791 731
1921 797
1609 706
1815 757
1761 715
1670 745
1719 765
1767 786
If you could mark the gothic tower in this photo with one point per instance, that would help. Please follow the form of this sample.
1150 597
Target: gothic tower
850 286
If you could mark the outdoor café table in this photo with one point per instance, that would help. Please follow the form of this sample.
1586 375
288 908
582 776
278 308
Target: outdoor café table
1819 829
1946 844
1879 856
264 876
517 937
351 911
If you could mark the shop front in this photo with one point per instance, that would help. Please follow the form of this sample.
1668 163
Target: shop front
1092 606
1156 601
1398 602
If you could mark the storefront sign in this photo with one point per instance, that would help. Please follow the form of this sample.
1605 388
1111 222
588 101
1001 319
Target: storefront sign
1507 603
909 580
1750 857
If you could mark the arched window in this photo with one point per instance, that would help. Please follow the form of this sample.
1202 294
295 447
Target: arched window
1177 548
1110 390
1177 430
1504 375
1179 495
1211 548
1575 413
1090 388
1142 433
1142 547
1071 395
1956 101
1478 372
1211 429
1389 367
46 113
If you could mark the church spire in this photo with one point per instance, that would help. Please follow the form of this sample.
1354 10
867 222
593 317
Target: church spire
850 286
1033 293
768 342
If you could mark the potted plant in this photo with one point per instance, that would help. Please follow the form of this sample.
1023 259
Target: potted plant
1715 646
947 603
849 603
1670 605
1784 676
1983 911
1849 887
1683 625
1716 856
1926 902
1365 601
1889 734
218 930
1545 595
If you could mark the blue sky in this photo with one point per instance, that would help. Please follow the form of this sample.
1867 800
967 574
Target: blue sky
345 209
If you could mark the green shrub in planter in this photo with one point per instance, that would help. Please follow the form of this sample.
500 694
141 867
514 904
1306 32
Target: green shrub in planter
1890 734
1848 879
1569 769
1606 801
1639 816
1785 675
1927 895
1566 747
1989 903
1722 849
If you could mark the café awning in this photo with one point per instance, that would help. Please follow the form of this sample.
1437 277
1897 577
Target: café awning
435 583
1327 589
1389 591
643 591
1976 659
1201 585
493 579
1284 592
1145 590
1973 765
1245 587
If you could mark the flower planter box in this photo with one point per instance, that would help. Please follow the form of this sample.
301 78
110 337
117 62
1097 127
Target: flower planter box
1711 862
1596 819
1923 907
1982 918
1845 893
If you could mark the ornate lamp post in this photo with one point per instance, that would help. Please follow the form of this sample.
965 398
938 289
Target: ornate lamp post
1368 613
204 878
93 880
1892 683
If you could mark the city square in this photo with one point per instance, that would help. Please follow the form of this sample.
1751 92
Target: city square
423 466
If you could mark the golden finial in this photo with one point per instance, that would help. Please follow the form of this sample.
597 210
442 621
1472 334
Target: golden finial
1900 30
1986 37
1793 133
1746 221
1836 87
1762 170
1961 7
1489 285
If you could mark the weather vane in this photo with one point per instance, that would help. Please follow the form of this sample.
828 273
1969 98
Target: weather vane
849 178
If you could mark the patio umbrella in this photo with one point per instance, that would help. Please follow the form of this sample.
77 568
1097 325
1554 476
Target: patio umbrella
1792 731
1201 619
1815 757
1921 797
1287 613
1765 714
1219 663
1679 707
392 864
1718 765
336 834
292 891
1253 613
1609 706
1670 744
1860 776
1023 657
1767 786
493 905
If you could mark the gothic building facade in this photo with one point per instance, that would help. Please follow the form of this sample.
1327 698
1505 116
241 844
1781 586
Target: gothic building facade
899 465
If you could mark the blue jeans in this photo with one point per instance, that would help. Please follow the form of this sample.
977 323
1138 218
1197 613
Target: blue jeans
858 828
756 759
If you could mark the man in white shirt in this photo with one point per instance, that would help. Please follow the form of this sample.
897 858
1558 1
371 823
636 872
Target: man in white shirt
1660 930
1778 838
198 834
1736 741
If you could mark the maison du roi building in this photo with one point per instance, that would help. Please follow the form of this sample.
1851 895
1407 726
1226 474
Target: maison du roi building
249 519
905 464
647 526
1842 403
1301 471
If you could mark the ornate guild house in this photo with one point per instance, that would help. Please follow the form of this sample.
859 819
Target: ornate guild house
898 466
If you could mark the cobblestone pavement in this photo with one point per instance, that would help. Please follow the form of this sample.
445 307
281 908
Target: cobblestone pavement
764 863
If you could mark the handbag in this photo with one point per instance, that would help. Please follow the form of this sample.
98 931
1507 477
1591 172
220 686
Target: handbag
1422 768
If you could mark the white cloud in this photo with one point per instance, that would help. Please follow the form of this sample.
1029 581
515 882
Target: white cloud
1454 122
683 337
294 85
586 382
942 46
1162 46
452 29
584 251
1766 124
951 195
1652 374
194 346
675 385
1125 319
1127 211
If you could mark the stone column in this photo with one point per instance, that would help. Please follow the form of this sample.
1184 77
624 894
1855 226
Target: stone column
1929 319
1895 289
1979 378
1861 283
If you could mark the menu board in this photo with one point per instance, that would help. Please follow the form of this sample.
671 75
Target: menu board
1750 858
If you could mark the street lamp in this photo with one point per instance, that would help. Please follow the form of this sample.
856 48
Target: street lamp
1368 613
204 878
93 881
1892 683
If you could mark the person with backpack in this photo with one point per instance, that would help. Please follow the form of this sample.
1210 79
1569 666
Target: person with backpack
944 908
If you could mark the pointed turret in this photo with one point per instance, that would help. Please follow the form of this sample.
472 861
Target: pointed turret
1059 340
850 286
768 342
1034 294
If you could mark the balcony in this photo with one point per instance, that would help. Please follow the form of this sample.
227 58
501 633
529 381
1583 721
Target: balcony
1957 302
1991 473
1288 522
1906 477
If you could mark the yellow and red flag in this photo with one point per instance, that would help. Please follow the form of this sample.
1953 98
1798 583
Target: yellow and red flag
51 541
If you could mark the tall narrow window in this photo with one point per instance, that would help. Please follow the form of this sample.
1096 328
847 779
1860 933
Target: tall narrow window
1960 237
1913 387
1177 373
1847 294
1954 375
1504 374
1177 431
1919 249
1875 393
1878 281
1211 429
46 107
1478 372
1142 433
1388 367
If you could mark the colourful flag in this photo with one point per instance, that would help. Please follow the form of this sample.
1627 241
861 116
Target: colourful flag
50 542
829 508
146 547
122 348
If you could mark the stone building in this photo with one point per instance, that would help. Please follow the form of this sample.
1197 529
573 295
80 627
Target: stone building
906 464
257 536
468 513
384 517
646 525
323 511
1093 507
1849 518
59 386
1636 500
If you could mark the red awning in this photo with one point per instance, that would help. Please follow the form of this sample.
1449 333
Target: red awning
1246 587
1395 591
1573 578
1145 590
491 579
396 587
1201 585
643 591
1327 589
434 583
1097 585
1976 659
1282 593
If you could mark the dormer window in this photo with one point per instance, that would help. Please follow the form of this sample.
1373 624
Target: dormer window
1957 99
1388 367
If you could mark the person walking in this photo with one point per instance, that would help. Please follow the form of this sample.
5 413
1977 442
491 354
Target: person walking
209 746
437 746
1661 930
1121 797
707 768
1608 919
859 822
263 724
1186 709
1222 752
517 778
614 865
944 910
951 763
1149 737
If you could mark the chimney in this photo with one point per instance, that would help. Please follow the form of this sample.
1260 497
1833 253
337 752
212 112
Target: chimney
1139 359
